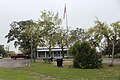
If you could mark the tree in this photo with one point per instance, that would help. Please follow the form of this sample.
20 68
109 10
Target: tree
2 51
50 22
10 53
34 33
62 40
76 35
25 34
99 32
30 34
106 36
85 56
115 38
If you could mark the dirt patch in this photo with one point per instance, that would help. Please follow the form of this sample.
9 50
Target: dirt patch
34 74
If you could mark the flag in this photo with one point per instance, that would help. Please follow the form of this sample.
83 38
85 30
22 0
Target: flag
64 12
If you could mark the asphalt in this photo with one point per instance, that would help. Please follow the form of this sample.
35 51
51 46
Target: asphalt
10 63
116 61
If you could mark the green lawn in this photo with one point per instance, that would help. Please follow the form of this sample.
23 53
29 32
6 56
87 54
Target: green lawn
42 71
14 74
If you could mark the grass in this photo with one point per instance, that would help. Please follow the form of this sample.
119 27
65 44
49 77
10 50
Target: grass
42 71
13 74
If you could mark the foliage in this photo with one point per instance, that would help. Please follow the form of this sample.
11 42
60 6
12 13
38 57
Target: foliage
107 36
117 55
61 38
24 33
100 33
29 34
107 51
2 51
85 56
76 35
50 22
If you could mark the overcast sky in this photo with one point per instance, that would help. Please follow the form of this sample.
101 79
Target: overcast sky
81 13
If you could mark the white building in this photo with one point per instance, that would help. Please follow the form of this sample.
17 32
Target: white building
43 52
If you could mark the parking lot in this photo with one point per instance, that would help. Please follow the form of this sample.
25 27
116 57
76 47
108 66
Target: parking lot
10 63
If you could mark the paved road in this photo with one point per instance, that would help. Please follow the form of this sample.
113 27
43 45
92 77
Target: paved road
116 61
10 63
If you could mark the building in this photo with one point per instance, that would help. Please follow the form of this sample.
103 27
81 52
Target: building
56 52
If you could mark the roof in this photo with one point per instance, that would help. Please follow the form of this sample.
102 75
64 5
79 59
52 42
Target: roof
52 49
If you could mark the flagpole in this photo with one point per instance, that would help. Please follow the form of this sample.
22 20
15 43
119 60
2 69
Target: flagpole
66 24
67 27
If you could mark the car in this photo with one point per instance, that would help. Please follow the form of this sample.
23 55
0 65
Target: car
1 57
20 56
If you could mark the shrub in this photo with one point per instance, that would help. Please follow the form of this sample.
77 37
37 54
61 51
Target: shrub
85 56
117 55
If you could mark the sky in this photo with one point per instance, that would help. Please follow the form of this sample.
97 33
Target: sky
80 13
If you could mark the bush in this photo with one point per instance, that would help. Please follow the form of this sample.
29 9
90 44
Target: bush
85 56
117 55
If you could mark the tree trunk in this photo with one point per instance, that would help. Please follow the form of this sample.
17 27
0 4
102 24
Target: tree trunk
31 50
62 52
112 60
108 45
34 56
50 51
35 52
